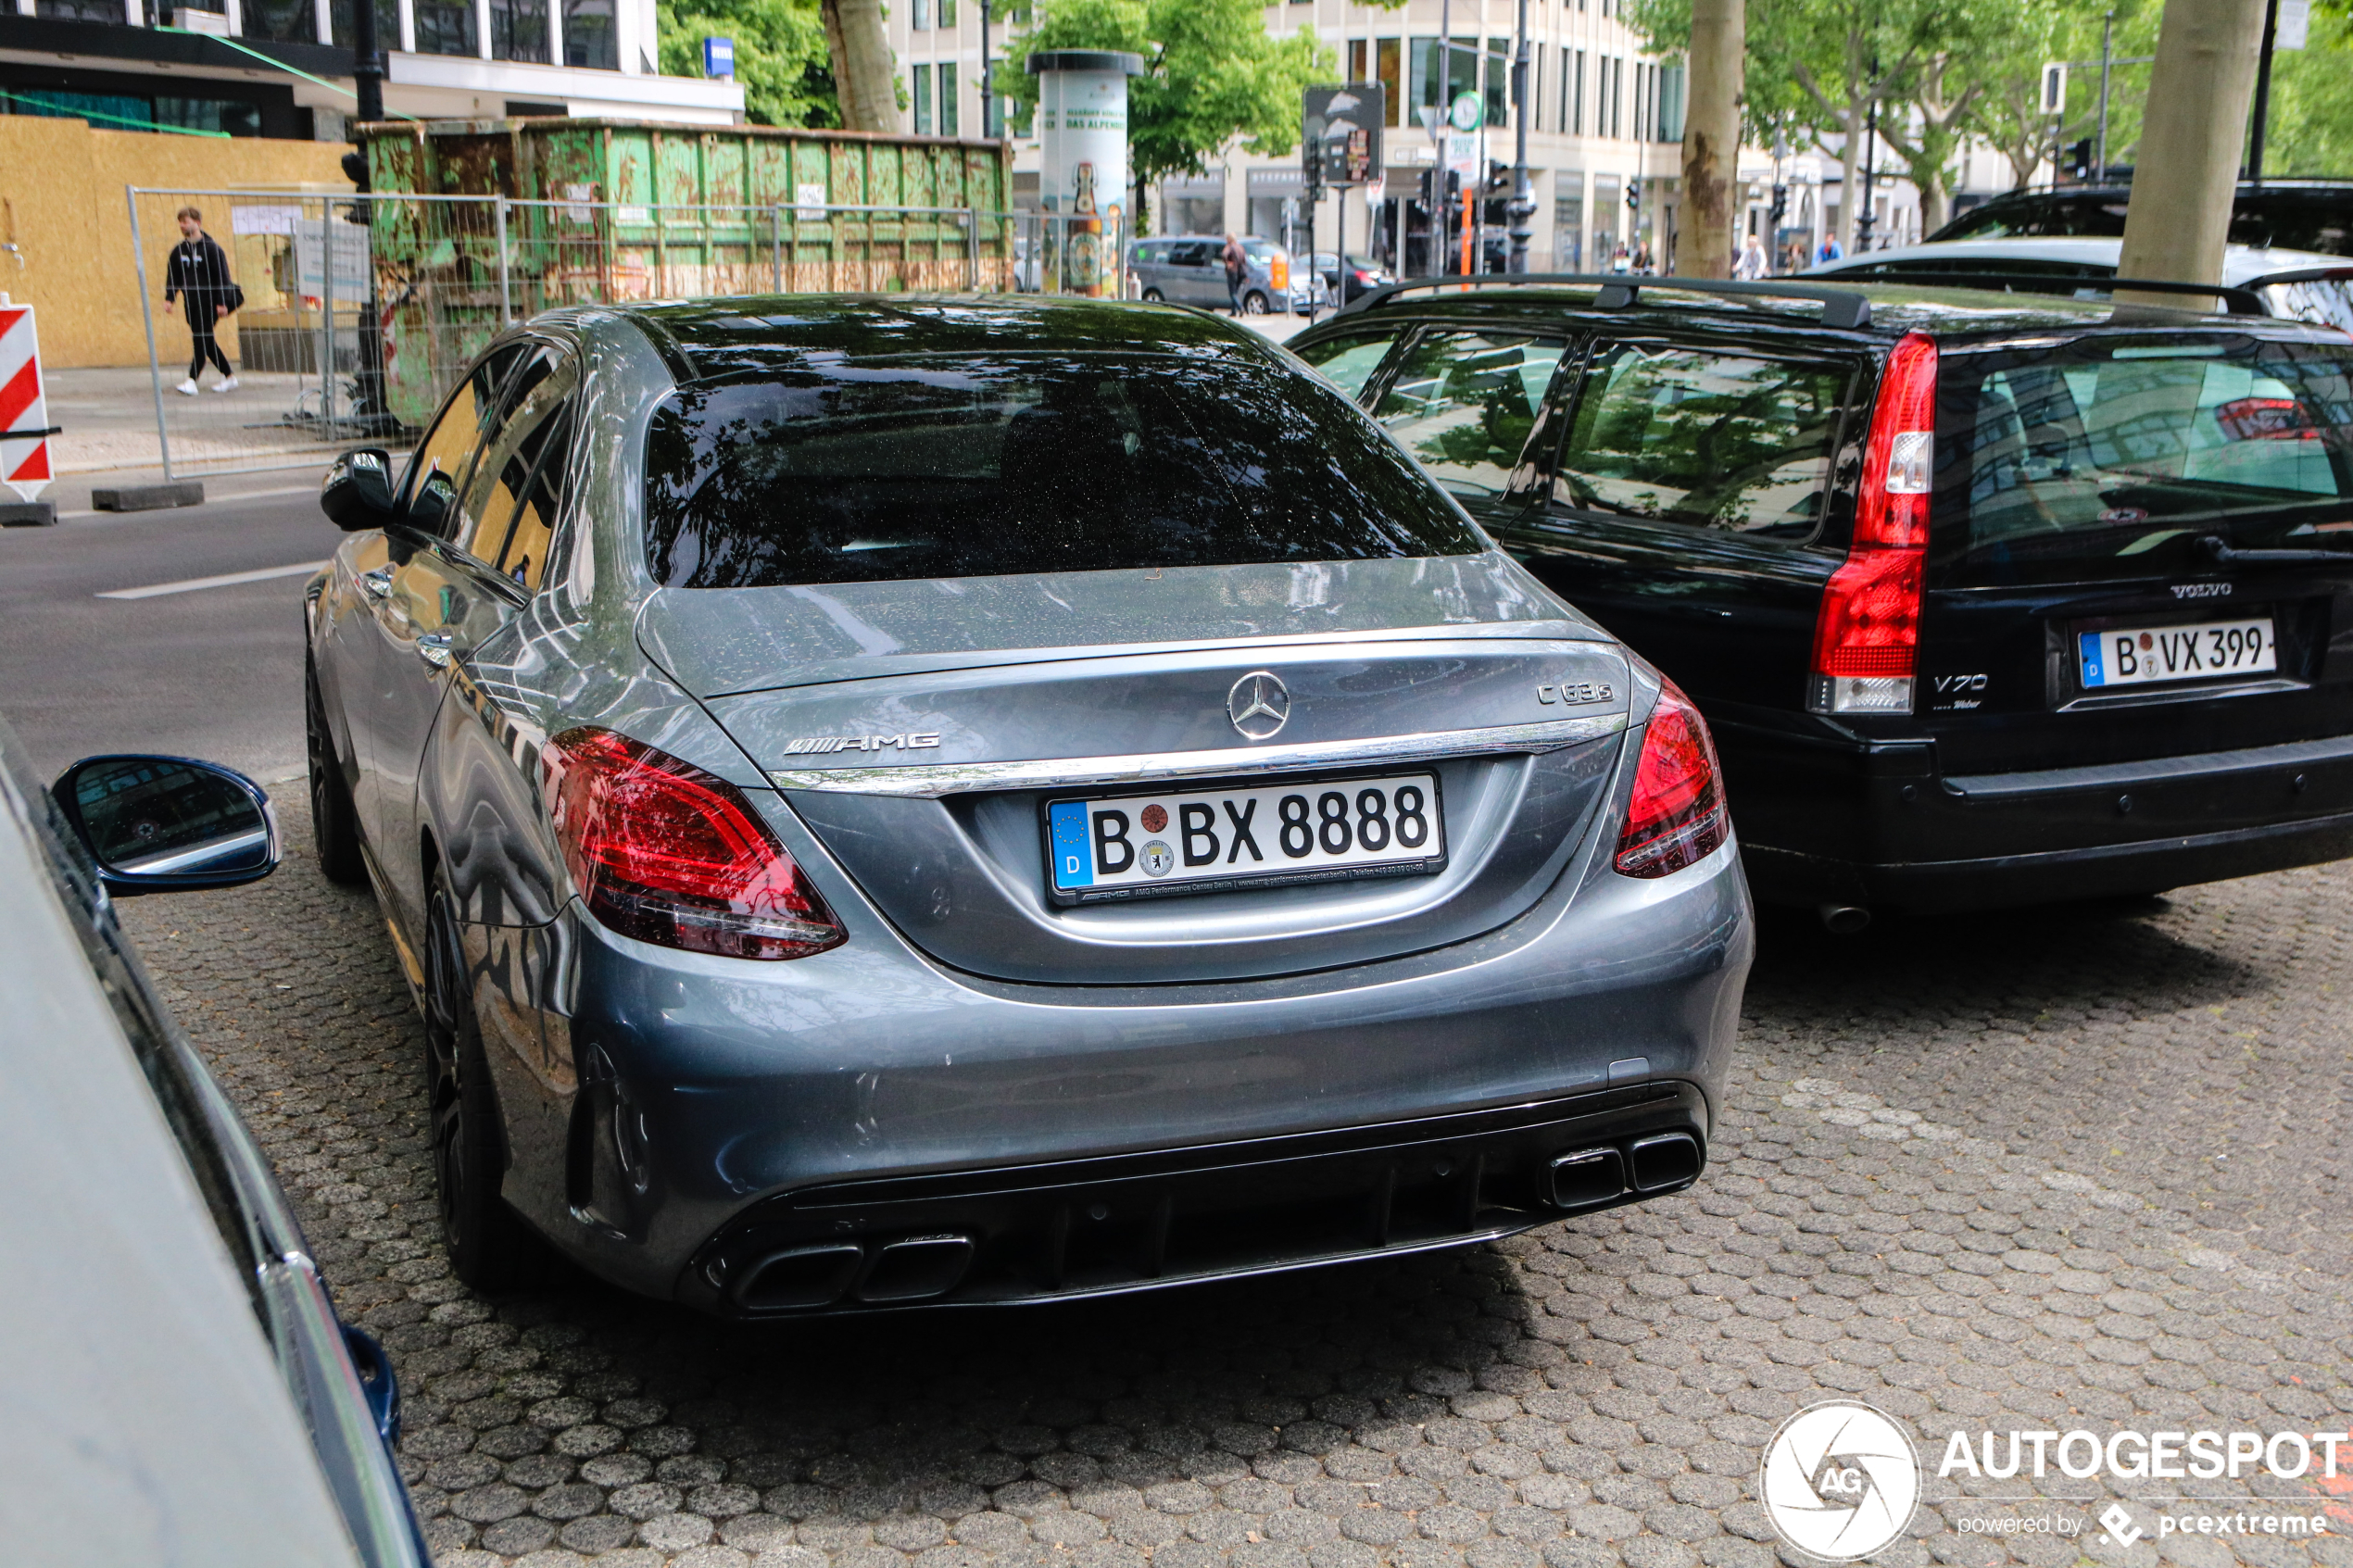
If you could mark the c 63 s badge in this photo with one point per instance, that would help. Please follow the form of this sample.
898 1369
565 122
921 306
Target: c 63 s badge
1576 692
812 744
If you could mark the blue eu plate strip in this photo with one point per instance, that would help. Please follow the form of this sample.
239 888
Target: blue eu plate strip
1074 857
2089 642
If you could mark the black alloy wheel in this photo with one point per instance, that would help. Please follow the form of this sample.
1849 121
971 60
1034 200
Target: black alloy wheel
335 821
490 1248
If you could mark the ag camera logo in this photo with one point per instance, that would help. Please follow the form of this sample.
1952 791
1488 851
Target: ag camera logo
1840 1481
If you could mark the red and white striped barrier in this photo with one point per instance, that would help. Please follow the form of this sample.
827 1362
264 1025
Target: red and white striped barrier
24 412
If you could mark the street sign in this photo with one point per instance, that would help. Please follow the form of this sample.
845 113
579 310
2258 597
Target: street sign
2294 25
719 57
1462 153
1469 111
2055 87
1340 133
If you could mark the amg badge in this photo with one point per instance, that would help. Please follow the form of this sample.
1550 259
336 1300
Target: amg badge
809 744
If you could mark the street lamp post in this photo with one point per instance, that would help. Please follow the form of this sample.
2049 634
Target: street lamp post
1523 189
1864 220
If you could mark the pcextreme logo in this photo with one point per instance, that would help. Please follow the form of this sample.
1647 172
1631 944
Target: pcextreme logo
1840 1480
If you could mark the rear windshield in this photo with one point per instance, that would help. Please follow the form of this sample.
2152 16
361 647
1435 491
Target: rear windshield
2317 220
891 468
2104 458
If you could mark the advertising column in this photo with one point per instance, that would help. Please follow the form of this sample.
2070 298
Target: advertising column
1082 177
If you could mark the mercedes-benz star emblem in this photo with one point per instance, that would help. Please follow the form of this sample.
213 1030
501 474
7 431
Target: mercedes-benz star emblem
1259 704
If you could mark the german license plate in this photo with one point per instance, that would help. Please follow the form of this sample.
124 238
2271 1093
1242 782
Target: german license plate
1210 840
2140 656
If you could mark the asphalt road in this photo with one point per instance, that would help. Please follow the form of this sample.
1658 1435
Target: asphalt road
214 672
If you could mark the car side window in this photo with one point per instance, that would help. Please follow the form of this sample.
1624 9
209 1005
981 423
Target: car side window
1193 254
1464 402
429 492
1682 434
489 499
1348 362
546 451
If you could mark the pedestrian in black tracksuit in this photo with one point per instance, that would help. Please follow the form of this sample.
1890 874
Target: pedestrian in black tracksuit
198 275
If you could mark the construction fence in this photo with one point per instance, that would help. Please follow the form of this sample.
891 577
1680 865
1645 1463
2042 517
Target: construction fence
358 313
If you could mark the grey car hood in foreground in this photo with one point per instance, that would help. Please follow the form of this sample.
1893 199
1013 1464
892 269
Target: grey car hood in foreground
1003 692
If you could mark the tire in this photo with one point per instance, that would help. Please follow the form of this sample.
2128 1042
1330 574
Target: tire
490 1248
335 821
1254 304
1152 296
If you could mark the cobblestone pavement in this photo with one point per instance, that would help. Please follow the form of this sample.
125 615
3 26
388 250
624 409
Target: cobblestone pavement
2045 1171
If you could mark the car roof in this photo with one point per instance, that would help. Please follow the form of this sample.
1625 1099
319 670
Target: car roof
2240 263
1950 315
715 337
147 1419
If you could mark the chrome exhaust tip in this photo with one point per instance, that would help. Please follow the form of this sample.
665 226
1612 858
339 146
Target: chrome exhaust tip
1844 919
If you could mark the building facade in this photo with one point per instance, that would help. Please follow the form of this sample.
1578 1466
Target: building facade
283 68
1605 142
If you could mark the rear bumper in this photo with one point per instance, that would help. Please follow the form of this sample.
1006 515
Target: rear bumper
867 1097
1107 1226
1914 839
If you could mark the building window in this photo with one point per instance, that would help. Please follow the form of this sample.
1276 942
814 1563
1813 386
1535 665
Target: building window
85 11
919 15
518 30
923 100
1572 91
1616 99
444 28
281 22
1670 103
589 35
1641 101
1356 47
1569 222
948 115
948 13
1499 81
1387 70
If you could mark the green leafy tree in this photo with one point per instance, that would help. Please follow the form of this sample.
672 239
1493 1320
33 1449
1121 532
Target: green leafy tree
1212 73
780 59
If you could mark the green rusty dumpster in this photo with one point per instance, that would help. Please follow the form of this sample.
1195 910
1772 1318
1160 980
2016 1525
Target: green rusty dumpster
479 221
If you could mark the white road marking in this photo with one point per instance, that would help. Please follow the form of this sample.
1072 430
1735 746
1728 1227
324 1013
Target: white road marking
226 580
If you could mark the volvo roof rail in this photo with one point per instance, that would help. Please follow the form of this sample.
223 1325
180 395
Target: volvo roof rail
2239 299
1618 291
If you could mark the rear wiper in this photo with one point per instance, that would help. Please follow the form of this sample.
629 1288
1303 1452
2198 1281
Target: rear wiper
2219 551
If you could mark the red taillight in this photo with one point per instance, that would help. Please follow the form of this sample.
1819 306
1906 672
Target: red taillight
664 852
1867 640
1677 817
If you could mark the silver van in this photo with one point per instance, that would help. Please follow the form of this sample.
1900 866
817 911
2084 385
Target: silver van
1190 269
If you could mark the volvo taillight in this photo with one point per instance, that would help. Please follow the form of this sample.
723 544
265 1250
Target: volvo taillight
1676 816
1867 640
667 853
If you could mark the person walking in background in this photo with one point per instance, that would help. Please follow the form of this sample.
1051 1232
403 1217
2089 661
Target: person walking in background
1832 250
198 275
1753 263
1237 268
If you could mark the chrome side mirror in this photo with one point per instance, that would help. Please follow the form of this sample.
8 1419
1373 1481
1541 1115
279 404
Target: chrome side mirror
356 493
161 824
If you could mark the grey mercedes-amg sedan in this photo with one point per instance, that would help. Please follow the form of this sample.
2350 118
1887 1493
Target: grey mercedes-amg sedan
895 800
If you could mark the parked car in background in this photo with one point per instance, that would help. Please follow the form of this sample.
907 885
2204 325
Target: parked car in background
2300 286
1360 277
1990 600
1190 269
2311 215
854 773
178 1388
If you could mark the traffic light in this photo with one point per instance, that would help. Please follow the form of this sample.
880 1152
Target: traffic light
1633 196
1781 205
2079 159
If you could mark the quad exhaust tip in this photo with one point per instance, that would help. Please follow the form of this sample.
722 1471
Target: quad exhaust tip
1844 919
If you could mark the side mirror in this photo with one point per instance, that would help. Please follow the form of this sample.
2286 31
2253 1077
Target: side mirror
356 493
162 824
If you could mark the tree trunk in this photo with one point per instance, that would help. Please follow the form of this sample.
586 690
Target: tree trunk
1937 204
1712 138
2195 130
1850 153
860 50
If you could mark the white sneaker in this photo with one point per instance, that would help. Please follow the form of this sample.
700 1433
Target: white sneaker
229 386
189 387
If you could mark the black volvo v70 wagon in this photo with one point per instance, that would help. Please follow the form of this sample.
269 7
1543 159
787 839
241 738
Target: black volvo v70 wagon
1988 602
